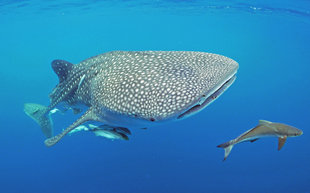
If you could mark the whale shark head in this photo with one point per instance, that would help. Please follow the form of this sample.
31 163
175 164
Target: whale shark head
156 86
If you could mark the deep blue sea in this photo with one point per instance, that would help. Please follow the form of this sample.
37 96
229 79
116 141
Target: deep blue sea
269 39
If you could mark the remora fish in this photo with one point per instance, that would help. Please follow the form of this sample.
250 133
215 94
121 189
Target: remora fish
137 88
104 131
78 129
263 129
108 132
118 129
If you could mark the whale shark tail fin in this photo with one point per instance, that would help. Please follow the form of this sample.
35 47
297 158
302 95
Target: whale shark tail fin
39 113
227 147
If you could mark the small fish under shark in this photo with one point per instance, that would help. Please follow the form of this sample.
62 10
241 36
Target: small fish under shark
104 131
263 129
135 89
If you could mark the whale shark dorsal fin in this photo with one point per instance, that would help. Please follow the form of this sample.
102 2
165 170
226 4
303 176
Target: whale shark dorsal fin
263 122
61 68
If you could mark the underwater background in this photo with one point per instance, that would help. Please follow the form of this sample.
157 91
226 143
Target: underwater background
269 39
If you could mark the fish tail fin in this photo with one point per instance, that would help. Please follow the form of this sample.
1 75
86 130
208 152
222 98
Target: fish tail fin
124 137
39 114
227 147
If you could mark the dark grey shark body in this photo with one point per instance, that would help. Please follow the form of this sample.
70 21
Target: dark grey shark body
129 89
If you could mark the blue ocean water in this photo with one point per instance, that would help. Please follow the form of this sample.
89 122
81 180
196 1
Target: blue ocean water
269 39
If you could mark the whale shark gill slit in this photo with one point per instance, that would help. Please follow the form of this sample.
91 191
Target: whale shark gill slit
196 108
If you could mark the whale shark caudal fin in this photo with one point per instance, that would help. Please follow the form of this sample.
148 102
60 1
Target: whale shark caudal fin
41 116
227 147
89 115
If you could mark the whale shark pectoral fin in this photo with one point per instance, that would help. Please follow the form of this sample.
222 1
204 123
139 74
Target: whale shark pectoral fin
89 115
61 68
281 142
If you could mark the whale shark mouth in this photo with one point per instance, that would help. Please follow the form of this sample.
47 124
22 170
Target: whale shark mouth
206 100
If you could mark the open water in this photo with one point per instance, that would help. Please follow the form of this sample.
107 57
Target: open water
269 39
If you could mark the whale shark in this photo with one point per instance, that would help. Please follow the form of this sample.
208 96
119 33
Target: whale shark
136 89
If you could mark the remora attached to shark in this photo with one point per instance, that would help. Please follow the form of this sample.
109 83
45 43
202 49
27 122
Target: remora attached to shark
104 131
263 129
137 88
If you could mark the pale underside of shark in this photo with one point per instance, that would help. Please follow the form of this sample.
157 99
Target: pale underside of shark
136 88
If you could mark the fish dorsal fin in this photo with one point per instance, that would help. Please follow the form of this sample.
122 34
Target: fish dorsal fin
263 122
281 142
61 68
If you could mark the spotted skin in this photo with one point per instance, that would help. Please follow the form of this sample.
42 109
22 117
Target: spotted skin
124 88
